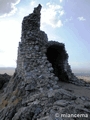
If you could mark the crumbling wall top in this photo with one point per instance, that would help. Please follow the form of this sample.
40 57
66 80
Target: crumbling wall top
31 23
37 9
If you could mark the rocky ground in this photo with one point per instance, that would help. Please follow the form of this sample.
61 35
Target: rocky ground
4 79
50 104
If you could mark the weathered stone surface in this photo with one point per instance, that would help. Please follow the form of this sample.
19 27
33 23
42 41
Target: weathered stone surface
31 86
62 103
34 92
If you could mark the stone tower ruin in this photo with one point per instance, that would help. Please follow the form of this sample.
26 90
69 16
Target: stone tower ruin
34 92
38 56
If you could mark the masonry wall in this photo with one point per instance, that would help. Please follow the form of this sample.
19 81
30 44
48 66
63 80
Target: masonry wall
37 55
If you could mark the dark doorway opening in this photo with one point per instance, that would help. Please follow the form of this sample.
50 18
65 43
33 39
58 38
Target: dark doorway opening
57 56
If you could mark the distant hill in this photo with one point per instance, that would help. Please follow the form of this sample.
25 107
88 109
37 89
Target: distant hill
77 72
8 70
81 72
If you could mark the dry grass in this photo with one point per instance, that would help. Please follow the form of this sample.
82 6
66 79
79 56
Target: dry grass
4 104
85 78
9 103
15 92
16 101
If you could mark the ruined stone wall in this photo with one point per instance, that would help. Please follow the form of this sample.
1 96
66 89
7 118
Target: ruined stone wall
32 45
35 92
33 50
32 61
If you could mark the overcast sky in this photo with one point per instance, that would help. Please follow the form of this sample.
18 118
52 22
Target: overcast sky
66 21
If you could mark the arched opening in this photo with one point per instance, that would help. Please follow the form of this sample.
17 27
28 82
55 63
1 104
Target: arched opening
57 56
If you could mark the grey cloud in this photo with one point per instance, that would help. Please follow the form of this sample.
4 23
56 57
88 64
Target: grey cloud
8 6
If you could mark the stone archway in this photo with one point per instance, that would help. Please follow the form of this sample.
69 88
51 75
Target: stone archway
57 56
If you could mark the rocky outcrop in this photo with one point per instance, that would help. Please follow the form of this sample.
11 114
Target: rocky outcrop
4 79
34 92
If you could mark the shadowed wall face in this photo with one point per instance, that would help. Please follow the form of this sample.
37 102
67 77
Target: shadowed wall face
57 55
